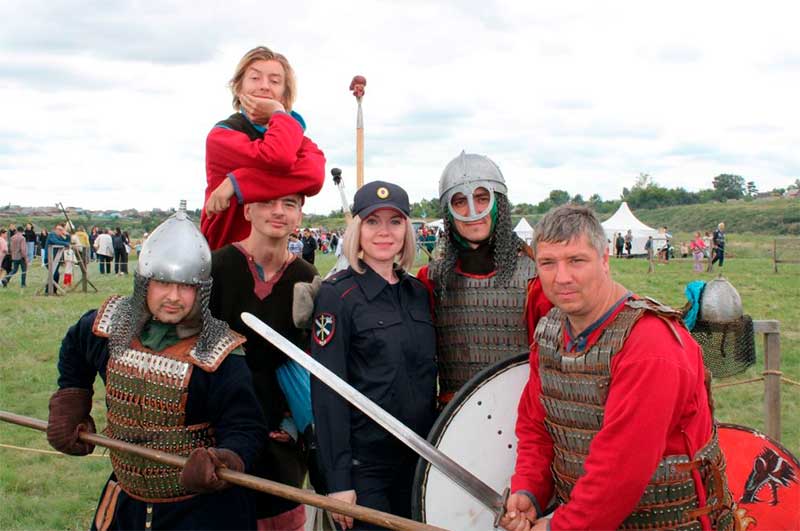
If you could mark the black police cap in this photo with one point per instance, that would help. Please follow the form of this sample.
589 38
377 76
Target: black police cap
379 194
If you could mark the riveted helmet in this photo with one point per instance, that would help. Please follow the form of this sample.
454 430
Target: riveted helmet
465 174
176 251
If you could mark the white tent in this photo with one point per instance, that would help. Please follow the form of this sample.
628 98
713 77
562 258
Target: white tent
622 221
524 230
437 224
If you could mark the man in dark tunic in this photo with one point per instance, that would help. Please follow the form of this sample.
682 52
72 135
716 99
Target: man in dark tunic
258 275
175 381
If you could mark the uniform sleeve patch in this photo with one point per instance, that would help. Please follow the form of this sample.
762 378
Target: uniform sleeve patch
324 328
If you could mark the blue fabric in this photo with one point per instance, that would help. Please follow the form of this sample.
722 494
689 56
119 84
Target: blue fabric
261 129
295 383
694 292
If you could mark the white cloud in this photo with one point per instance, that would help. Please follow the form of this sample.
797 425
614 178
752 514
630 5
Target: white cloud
107 104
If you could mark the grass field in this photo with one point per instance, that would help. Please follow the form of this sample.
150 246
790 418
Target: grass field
53 491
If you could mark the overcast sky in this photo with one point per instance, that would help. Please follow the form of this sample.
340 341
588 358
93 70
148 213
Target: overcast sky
106 104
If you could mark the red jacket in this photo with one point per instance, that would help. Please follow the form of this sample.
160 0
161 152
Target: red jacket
657 405
283 162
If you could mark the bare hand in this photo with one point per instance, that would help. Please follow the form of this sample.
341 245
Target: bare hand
220 198
280 436
520 513
347 496
260 110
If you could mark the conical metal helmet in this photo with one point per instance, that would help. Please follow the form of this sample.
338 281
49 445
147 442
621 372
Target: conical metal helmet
466 173
721 302
176 251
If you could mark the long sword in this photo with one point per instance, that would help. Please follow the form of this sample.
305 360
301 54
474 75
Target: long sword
463 477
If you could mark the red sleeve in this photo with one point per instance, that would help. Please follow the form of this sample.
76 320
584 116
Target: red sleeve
536 307
422 275
277 151
305 177
534 447
653 393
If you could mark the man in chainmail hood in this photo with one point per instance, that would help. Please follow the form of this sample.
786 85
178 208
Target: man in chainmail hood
176 381
485 278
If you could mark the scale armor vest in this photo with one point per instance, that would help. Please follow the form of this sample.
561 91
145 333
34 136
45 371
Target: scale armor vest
574 392
146 396
479 324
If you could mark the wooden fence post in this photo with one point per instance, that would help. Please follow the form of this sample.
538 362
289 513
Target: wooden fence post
775 254
772 375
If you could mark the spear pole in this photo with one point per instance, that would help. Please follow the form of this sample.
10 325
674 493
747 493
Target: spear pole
238 478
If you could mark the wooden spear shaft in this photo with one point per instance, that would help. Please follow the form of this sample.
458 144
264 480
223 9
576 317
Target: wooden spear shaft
243 480
357 86
359 147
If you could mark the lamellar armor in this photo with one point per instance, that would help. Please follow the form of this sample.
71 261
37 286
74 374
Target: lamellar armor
147 391
480 323
574 391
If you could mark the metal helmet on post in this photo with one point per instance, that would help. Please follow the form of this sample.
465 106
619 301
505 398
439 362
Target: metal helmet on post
465 174
723 330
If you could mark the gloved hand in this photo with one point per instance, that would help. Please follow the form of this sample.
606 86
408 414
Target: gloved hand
200 475
70 410
303 302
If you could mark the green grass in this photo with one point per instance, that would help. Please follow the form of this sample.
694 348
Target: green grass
47 491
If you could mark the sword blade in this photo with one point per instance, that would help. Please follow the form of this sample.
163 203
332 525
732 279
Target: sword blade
460 475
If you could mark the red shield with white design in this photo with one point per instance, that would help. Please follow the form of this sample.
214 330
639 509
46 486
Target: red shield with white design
764 478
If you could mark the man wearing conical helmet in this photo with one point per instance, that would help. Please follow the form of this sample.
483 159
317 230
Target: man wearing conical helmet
481 284
176 381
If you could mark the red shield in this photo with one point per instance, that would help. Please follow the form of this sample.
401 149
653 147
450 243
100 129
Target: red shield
764 478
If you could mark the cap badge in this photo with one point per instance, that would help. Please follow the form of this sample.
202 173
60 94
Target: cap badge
382 192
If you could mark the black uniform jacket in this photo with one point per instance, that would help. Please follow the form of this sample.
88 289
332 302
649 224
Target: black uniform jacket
379 338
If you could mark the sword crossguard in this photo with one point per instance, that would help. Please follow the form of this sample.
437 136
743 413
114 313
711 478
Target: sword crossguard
502 511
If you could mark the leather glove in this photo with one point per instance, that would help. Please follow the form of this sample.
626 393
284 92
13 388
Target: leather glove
70 410
303 302
200 475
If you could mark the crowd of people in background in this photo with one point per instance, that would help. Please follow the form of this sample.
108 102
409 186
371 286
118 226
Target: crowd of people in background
21 245
703 247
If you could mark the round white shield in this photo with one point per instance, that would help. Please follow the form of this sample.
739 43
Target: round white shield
476 429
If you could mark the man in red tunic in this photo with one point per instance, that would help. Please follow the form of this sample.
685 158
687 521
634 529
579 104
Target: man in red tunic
260 152
616 418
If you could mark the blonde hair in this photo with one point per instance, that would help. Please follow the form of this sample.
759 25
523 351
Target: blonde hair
262 53
351 246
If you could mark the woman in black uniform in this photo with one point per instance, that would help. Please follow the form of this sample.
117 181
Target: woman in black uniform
372 327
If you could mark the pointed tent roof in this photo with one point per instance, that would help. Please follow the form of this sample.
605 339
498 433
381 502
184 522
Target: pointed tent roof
623 218
524 230
523 226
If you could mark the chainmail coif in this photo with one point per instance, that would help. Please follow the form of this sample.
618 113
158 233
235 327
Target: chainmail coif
132 315
505 241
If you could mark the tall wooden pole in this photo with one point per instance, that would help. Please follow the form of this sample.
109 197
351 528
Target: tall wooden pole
357 87
244 480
